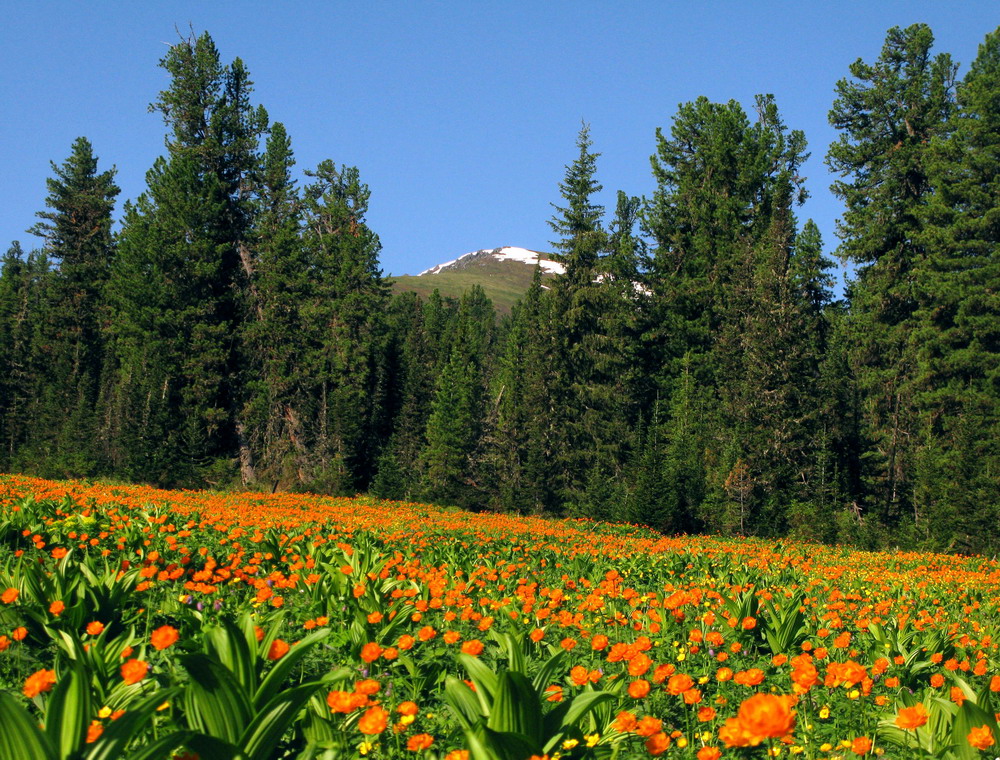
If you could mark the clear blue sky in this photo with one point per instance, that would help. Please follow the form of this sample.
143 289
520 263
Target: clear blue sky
460 115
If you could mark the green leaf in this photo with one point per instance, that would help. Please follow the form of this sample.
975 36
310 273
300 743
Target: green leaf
20 736
283 667
215 703
160 748
271 723
68 712
543 677
463 702
517 709
229 646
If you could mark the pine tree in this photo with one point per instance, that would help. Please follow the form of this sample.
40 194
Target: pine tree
77 235
343 322
177 290
888 113
451 460
956 338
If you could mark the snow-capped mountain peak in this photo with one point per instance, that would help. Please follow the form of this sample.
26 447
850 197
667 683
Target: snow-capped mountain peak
504 253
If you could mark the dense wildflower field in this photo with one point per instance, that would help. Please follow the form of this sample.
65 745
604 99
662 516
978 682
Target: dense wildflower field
146 624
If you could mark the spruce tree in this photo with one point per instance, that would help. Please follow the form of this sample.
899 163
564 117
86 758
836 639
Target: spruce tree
888 113
77 238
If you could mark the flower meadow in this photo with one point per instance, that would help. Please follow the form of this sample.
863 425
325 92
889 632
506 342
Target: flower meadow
146 624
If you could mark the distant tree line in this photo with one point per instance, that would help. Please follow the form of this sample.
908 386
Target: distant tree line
691 370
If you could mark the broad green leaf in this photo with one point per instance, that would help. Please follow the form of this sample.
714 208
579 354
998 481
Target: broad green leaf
229 646
215 703
283 667
68 712
516 709
463 702
118 734
20 736
271 722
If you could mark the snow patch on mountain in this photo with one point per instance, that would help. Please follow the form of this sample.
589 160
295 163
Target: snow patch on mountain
505 253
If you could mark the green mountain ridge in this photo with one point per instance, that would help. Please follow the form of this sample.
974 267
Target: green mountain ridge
504 278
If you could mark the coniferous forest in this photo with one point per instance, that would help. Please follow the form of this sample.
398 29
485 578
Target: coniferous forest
692 370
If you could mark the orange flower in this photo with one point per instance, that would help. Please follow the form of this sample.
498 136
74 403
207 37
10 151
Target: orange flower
95 628
910 718
457 754
598 642
38 682
537 635
767 715
706 714
4 643
19 633
579 675
937 680
57 607
134 671
371 652
554 693
367 687
657 744
679 683
10 596
94 731
451 637
709 753
163 637
406 642
407 708
419 742
373 721
473 647
638 688
648 726
277 650
981 738
749 624
624 722
861 745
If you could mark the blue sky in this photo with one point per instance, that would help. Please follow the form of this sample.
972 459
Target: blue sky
460 115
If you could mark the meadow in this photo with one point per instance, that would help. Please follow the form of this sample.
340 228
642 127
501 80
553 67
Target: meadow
147 624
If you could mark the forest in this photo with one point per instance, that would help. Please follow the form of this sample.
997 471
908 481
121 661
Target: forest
691 371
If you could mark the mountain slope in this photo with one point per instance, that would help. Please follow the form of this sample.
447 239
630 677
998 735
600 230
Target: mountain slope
505 274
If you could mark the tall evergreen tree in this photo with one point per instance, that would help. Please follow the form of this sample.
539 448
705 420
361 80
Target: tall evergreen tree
888 113
77 238
956 338
178 285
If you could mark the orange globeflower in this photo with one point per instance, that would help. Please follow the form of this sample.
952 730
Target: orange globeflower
277 650
134 671
95 628
709 753
407 708
657 744
473 647
38 682
419 742
373 721
57 607
912 717
981 738
598 642
371 652
19 633
94 731
767 715
861 745
678 684
164 636
638 689
10 596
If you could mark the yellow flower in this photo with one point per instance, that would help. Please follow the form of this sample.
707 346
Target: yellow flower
853 694
795 749
824 713
703 680
407 719
592 739
162 707
570 743
104 712
365 747
682 742
825 747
